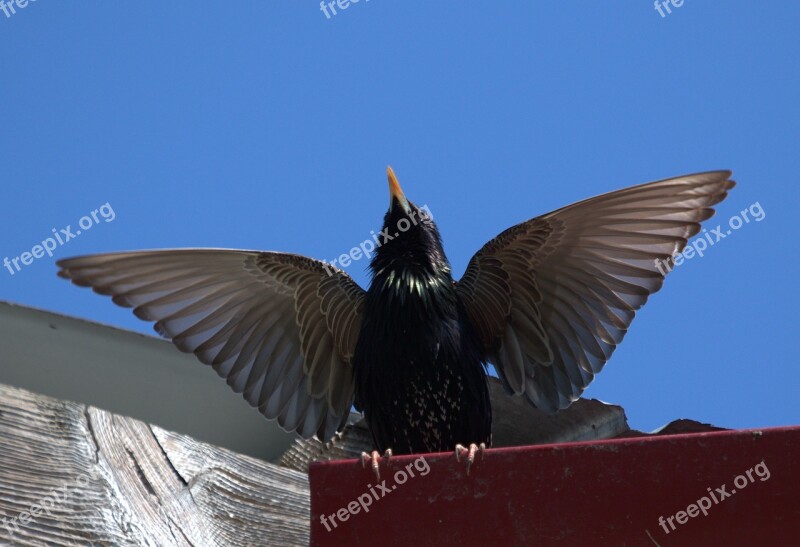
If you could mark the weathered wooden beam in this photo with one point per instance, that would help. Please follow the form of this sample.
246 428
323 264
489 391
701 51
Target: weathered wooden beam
76 475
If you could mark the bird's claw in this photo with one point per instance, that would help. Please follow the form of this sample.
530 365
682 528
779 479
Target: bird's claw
469 453
374 460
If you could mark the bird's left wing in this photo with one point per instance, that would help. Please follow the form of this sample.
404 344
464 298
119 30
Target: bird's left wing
551 298
280 328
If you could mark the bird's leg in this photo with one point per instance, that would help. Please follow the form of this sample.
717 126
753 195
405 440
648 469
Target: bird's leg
470 452
375 459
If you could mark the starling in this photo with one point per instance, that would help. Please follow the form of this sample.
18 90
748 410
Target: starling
547 301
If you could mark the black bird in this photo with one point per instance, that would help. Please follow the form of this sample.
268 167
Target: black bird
547 302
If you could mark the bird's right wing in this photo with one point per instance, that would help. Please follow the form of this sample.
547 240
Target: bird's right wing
280 328
551 298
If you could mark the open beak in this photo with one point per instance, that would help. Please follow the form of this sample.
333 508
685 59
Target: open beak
395 192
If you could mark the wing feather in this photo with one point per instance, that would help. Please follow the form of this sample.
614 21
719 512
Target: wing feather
551 298
280 328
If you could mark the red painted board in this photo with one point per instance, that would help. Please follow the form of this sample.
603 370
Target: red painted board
614 492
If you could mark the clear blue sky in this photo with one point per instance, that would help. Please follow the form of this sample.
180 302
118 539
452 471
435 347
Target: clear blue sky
265 125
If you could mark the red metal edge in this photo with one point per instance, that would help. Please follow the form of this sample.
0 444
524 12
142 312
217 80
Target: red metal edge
617 491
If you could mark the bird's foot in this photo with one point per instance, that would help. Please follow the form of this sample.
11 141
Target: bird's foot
374 459
469 453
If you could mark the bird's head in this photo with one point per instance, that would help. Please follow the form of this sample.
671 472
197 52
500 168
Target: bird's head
409 239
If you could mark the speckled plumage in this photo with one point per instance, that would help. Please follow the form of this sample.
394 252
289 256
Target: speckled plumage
419 376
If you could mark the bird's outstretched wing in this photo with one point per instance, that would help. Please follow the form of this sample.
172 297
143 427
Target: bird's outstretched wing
277 327
552 297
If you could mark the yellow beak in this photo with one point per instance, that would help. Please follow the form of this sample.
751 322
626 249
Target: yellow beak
395 192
